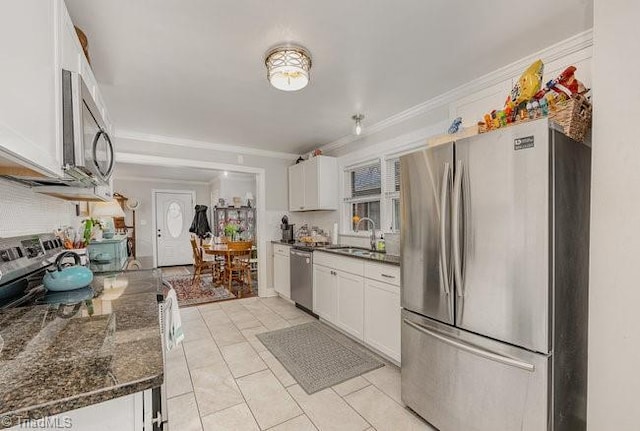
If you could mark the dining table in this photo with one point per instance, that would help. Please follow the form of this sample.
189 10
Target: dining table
217 250
224 251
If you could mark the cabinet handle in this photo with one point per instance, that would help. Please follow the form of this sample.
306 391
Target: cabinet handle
388 276
301 208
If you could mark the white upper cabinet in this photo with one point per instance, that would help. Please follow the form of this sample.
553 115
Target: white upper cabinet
37 40
313 184
296 187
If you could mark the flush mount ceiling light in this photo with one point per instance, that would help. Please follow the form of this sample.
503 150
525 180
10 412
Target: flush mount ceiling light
357 127
288 67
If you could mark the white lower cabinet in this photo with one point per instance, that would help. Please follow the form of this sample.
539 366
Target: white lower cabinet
362 300
281 274
125 413
350 304
382 317
325 292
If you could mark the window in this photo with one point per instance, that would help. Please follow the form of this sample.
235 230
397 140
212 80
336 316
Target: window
392 193
373 190
363 194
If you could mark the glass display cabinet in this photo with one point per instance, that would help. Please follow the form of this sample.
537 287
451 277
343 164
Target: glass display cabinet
244 217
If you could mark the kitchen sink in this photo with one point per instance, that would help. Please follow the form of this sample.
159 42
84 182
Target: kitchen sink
358 252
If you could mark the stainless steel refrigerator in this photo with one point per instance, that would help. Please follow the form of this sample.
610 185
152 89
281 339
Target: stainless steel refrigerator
495 243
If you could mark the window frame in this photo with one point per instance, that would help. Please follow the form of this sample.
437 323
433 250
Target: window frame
385 197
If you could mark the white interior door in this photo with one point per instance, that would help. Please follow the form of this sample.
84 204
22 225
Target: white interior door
174 214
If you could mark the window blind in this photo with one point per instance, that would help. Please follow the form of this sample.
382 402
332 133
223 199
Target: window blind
392 178
364 181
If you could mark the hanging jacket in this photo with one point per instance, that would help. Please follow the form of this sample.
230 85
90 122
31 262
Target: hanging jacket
200 224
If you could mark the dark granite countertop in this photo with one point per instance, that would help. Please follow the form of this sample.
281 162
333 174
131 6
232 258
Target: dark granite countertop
274 241
375 257
114 265
334 249
54 359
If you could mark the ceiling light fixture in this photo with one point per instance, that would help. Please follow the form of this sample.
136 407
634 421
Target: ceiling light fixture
357 127
288 67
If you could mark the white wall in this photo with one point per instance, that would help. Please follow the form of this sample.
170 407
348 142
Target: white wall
412 128
23 212
232 185
141 190
275 168
614 319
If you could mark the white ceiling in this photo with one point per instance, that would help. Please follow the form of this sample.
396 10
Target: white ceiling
149 172
194 68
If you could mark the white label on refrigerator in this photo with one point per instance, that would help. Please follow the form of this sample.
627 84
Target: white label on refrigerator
523 143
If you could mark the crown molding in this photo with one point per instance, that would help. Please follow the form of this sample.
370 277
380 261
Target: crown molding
559 50
203 145
148 159
158 180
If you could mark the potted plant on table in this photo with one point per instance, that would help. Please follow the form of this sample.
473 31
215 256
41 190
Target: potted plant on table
231 231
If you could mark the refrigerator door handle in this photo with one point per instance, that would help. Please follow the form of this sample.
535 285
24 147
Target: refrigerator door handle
443 228
455 227
483 353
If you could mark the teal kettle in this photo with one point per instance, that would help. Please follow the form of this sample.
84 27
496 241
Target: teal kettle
66 278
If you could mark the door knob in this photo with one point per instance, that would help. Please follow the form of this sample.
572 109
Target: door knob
159 235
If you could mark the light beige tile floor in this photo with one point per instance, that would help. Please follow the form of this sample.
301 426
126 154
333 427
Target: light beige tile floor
223 378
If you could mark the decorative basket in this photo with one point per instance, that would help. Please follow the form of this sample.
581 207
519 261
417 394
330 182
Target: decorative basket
574 115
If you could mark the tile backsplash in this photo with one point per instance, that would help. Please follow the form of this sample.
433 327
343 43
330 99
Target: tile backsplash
23 212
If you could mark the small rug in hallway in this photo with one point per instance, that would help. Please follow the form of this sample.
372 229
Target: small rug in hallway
317 356
198 293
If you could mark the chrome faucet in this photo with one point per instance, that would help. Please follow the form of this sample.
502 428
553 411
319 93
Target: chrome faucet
373 230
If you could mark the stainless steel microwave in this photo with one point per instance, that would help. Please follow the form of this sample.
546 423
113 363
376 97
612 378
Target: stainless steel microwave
88 154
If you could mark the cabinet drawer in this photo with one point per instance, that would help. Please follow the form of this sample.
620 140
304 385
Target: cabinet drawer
282 250
340 263
385 273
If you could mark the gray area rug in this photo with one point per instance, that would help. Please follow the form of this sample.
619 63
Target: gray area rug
317 356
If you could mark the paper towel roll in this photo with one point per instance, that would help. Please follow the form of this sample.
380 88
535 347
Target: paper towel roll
334 234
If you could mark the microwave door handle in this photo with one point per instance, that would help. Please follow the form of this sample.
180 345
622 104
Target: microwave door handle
111 154
444 264
455 227
96 140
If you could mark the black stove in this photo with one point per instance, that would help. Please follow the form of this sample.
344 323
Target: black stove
23 263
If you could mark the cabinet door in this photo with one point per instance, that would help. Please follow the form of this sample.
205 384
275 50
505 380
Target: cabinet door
296 187
122 414
350 314
311 184
327 183
325 292
28 108
281 276
382 317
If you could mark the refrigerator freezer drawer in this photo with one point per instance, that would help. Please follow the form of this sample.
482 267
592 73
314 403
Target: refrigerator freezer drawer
461 381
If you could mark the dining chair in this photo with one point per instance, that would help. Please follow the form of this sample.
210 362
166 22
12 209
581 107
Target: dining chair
238 265
199 263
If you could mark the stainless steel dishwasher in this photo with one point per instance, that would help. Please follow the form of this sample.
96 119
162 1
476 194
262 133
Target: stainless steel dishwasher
301 270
